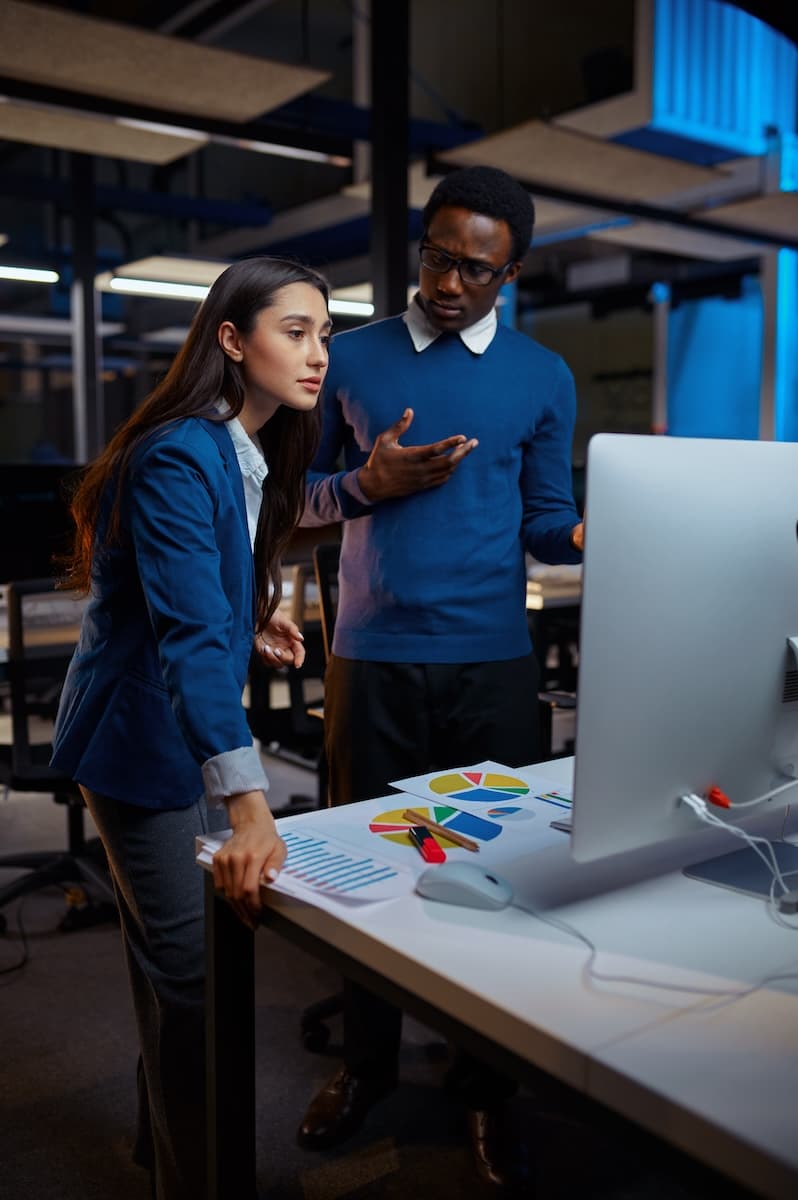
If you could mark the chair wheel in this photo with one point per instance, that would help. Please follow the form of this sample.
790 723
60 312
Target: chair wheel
87 915
315 1038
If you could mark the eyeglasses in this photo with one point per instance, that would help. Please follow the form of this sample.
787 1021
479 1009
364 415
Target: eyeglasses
468 270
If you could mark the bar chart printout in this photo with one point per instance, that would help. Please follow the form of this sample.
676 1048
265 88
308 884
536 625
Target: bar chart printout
318 866
319 862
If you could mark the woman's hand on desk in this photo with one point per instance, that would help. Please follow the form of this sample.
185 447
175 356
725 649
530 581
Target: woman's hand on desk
280 643
254 854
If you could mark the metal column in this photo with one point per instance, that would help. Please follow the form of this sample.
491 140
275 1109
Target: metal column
87 398
660 298
390 63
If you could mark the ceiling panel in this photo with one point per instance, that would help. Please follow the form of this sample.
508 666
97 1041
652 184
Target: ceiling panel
91 135
174 269
538 153
554 216
550 215
674 239
419 187
50 46
775 214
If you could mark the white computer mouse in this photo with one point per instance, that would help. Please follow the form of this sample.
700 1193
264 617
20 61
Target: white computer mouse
464 883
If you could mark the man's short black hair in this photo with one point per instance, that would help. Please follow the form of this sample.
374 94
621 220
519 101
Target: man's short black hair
493 193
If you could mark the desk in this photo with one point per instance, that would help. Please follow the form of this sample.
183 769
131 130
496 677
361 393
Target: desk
52 620
545 594
51 625
716 1080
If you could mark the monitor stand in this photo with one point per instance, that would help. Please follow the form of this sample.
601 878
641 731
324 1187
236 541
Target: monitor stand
744 871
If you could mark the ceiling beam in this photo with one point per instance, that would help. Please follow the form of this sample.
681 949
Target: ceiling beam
165 204
237 133
200 25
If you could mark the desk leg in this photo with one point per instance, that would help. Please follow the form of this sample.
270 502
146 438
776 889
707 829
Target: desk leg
230 1049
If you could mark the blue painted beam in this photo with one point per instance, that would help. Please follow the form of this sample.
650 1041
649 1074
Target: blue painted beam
323 114
164 204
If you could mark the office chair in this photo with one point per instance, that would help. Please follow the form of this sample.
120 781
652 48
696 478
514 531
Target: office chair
292 732
315 1034
326 560
558 629
36 669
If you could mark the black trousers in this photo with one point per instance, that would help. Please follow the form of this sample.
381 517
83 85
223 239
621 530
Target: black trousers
385 721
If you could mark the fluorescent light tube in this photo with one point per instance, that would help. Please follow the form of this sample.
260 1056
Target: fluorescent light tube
192 291
277 149
28 275
157 287
352 308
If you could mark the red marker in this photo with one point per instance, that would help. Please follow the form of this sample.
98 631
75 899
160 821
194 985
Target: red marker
428 848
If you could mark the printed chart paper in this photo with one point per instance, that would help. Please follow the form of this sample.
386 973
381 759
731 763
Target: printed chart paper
502 832
320 866
362 853
488 783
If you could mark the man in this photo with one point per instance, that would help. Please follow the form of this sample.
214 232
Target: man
431 665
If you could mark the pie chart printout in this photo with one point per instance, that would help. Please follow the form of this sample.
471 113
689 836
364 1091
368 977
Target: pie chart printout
394 827
499 798
481 786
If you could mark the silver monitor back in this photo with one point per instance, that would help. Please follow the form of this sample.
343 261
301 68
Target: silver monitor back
690 592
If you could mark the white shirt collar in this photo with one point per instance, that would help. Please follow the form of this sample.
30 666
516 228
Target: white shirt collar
476 337
251 464
249 451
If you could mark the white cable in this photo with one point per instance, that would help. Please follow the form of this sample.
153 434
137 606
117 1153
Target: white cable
768 857
603 977
767 795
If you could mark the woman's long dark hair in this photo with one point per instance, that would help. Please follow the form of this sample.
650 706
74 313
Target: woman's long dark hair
200 374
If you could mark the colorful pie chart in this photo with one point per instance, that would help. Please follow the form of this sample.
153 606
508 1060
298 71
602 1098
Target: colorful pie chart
484 786
394 827
509 812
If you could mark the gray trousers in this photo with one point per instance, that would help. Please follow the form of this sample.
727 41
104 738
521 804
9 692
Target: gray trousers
159 890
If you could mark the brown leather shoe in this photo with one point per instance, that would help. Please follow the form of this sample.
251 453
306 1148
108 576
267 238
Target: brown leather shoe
484 1134
339 1109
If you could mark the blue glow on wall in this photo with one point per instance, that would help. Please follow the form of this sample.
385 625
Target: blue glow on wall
789 162
720 75
507 308
786 357
715 365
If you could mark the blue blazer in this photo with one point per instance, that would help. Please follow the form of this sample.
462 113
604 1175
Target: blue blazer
154 687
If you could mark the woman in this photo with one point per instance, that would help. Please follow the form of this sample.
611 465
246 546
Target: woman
151 723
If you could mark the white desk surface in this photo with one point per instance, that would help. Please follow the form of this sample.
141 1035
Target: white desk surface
541 594
716 1077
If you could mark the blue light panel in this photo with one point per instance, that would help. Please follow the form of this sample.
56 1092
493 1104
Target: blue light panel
715 366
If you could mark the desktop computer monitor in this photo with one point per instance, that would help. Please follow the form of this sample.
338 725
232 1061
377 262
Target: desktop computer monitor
687 677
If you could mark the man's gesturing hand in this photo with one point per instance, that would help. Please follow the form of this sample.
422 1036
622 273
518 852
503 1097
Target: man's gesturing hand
394 470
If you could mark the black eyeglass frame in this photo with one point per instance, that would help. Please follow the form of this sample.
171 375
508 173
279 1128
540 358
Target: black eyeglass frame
459 263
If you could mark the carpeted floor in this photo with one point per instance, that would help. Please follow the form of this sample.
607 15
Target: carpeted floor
68 1050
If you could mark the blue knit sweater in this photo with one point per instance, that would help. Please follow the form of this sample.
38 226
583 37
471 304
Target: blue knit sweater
439 576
